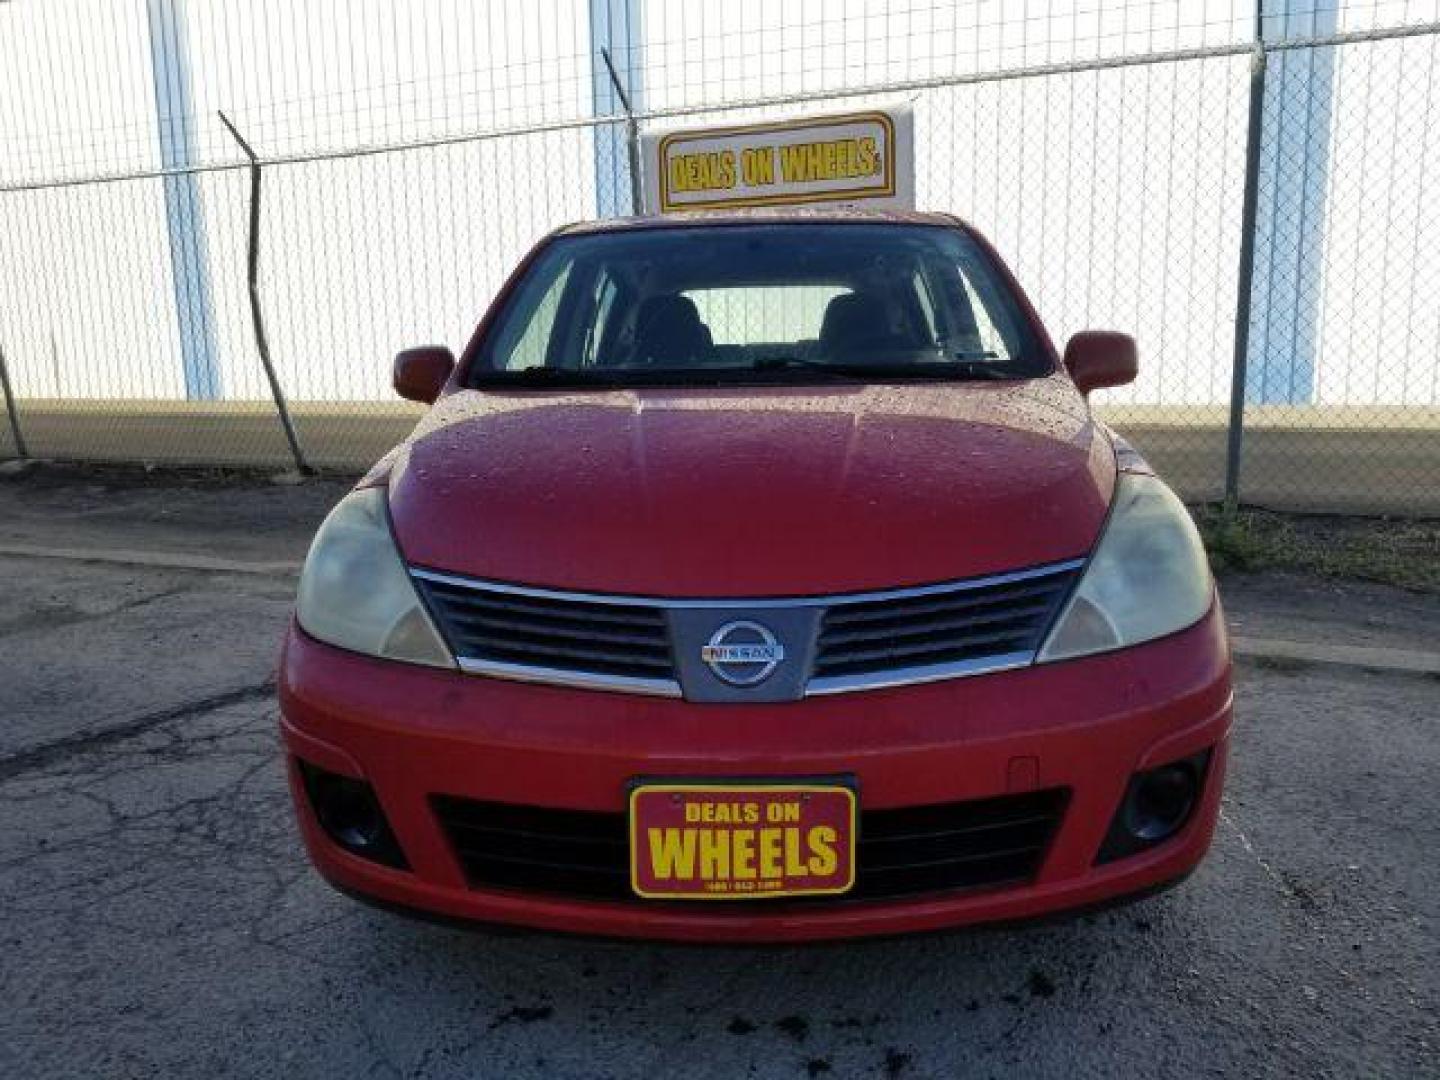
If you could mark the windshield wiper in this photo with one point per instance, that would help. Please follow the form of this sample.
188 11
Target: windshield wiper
783 363
964 366
540 375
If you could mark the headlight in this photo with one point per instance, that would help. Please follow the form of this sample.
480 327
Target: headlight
356 593
1148 577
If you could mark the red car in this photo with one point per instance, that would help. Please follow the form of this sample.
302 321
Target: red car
760 576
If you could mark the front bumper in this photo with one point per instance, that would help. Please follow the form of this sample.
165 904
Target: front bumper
1085 725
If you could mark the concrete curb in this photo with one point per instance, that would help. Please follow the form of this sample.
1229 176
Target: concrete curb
158 560
1399 661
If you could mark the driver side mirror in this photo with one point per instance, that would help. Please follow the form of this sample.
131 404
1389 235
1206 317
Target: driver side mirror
421 373
1101 358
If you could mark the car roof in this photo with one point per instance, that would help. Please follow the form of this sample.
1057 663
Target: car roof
773 215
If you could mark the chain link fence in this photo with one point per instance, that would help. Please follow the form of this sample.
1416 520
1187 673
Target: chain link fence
1252 193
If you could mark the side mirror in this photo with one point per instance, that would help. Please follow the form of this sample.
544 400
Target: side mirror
421 373
1101 358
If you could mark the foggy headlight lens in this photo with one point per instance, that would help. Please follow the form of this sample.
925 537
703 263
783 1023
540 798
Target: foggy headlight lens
356 593
1148 577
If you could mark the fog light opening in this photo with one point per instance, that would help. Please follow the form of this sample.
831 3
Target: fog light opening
350 814
1160 801
1157 805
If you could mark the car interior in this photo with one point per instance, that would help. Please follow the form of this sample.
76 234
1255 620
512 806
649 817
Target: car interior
725 304
860 322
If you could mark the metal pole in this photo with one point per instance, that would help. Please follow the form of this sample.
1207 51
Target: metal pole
632 139
632 132
184 208
1253 139
10 408
252 274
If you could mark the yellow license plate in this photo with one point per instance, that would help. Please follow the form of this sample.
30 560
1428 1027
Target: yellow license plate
705 841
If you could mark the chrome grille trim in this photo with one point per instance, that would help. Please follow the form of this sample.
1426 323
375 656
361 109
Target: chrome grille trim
579 680
821 685
758 603
616 632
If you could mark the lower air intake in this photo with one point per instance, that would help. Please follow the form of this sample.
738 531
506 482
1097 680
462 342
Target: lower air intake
905 852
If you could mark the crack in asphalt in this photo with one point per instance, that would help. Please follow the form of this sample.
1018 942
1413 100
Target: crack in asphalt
52 618
46 754
1284 887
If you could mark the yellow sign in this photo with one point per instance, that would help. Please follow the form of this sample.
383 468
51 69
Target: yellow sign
861 158
698 841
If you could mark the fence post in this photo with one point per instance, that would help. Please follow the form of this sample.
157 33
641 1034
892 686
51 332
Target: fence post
10 408
184 207
632 133
1253 137
257 317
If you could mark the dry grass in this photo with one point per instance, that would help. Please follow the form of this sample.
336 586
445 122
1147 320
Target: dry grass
1394 552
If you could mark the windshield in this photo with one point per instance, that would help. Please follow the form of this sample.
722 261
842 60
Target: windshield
788 302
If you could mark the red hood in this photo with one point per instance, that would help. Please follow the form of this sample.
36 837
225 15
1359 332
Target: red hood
752 491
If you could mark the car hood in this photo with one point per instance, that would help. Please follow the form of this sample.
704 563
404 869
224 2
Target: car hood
752 491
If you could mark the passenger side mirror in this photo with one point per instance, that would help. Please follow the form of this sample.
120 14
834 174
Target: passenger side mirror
421 373
1101 358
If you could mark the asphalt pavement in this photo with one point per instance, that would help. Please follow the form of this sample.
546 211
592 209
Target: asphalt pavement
161 920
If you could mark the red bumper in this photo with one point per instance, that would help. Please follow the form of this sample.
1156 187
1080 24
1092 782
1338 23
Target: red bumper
1086 725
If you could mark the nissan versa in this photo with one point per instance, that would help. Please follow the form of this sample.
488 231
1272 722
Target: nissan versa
759 576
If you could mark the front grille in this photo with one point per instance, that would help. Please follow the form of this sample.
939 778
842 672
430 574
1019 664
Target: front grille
550 632
865 640
535 849
933 627
905 852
